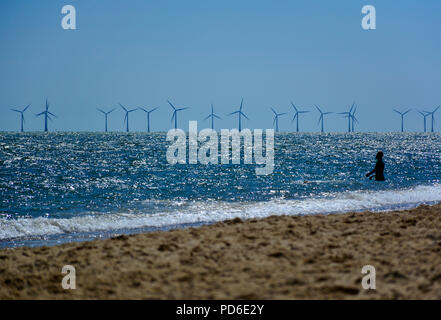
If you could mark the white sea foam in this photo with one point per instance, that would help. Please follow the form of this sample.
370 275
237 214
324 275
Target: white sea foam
206 211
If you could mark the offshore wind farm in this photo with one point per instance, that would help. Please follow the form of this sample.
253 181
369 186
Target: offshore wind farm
349 115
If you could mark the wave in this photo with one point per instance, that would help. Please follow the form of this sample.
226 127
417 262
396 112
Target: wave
183 213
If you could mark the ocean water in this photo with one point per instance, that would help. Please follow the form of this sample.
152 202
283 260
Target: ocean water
61 187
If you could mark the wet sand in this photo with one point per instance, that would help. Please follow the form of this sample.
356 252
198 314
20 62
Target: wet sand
280 257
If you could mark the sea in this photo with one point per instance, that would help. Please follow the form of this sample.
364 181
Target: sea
69 187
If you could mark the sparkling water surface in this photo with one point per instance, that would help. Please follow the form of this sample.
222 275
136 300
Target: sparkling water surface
58 187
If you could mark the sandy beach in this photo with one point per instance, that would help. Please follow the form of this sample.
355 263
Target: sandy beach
280 257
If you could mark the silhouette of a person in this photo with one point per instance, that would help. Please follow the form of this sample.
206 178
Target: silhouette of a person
379 168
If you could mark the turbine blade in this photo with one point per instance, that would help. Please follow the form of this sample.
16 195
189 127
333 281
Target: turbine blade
244 115
26 107
16 110
52 114
295 108
171 105
355 110
153 109
295 116
123 107
101 110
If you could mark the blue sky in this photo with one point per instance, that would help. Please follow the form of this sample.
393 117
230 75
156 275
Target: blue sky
195 53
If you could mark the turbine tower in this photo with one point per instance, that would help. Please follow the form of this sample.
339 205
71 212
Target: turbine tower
276 118
240 113
22 115
296 115
322 118
126 117
432 114
105 115
348 114
148 116
175 113
425 114
47 115
402 114
212 116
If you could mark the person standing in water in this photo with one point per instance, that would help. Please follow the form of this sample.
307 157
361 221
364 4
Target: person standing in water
379 168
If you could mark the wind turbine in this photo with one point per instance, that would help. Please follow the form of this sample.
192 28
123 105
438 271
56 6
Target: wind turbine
322 114
240 113
402 114
425 114
349 116
22 115
296 115
175 113
47 115
432 114
276 118
148 116
126 118
353 119
105 115
212 116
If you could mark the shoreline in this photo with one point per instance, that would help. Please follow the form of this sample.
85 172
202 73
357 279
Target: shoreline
55 239
278 257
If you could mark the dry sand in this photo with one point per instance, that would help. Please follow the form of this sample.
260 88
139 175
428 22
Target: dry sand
280 257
